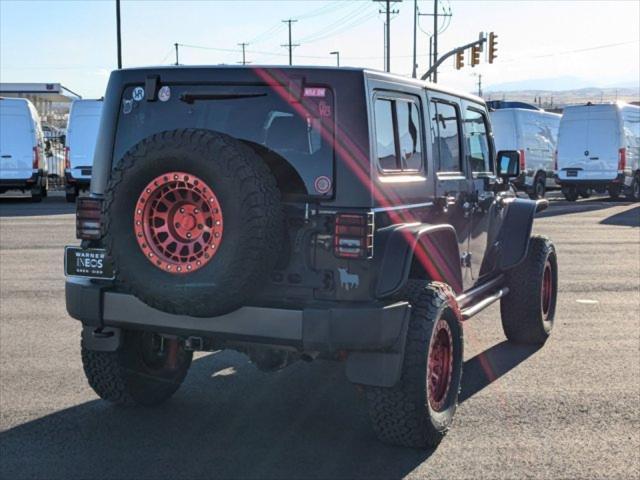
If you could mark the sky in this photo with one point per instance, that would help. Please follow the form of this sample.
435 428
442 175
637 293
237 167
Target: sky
559 44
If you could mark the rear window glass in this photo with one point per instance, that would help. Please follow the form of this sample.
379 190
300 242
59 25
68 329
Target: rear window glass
270 120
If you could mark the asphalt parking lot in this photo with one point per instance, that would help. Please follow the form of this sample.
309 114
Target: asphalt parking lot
570 409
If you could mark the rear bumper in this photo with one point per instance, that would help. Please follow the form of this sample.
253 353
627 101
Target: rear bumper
22 183
584 178
372 327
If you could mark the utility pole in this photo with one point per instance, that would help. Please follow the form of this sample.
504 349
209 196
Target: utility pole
388 13
244 58
415 33
337 54
290 45
118 35
434 52
480 85
176 45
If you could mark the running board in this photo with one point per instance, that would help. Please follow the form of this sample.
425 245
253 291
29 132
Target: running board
467 313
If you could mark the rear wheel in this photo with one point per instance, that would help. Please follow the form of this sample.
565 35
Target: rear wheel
634 191
38 193
614 191
147 369
529 309
570 193
539 188
71 196
419 409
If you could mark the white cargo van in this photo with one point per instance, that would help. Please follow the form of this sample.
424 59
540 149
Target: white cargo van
22 161
533 133
80 142
599 148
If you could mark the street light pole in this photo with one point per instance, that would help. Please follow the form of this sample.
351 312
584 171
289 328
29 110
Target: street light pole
337 54
118 35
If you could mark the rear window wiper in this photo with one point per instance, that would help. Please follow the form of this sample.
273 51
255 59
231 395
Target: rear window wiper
190 97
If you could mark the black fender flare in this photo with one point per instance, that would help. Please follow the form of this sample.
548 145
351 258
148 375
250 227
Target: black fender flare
436 247
515 231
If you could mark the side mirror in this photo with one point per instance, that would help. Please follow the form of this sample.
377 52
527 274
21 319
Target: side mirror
508 164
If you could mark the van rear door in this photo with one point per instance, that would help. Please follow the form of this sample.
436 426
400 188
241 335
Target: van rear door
588 144
81 137
17 142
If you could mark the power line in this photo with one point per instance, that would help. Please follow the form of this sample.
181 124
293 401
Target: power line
340 26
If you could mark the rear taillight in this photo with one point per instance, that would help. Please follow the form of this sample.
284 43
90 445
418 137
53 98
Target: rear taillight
353 235
622 159
36 158
88 218
522 160
67 162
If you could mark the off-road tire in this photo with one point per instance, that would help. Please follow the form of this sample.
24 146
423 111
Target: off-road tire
570 193
402 414
121 377
250 204
524 319
538 189
634 190
71 196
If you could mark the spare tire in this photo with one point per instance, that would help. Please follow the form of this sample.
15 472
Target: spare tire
193 222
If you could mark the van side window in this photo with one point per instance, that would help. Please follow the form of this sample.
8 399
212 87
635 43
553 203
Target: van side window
398 135
446 136
476 137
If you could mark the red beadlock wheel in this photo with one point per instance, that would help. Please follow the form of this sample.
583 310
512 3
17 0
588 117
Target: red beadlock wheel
440 365
178 223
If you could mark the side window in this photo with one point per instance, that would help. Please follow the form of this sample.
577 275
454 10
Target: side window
398 135
476 137
386 147
409 135
446 136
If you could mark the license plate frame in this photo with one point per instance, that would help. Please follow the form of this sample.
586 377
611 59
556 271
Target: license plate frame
92 263
572 173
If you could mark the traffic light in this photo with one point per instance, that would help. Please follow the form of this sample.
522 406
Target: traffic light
459 59
475 56
493 49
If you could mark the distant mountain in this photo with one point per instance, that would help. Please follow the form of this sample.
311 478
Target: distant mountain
556 84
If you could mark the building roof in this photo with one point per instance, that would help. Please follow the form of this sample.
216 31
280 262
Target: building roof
54 92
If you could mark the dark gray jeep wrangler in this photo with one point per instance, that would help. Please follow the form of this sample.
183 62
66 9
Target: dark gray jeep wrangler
301 213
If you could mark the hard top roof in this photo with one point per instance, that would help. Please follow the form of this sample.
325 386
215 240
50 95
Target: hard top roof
365 71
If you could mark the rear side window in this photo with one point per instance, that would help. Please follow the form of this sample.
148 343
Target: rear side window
477 138
385 134
445 132
398 135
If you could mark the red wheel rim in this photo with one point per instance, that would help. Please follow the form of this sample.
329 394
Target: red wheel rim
178 223
547 289
440 365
